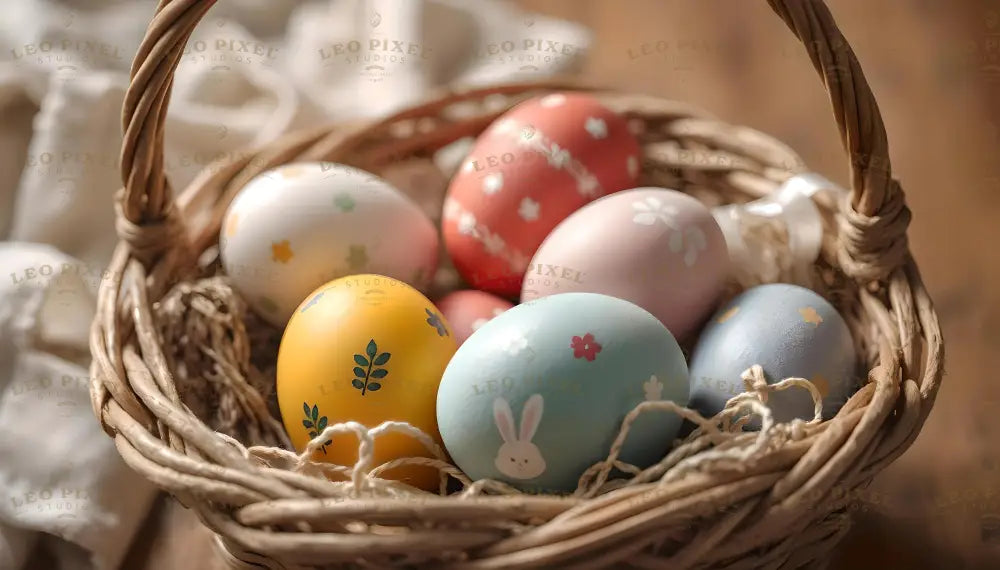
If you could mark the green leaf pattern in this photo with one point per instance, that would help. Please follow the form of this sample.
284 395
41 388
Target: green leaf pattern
315 423
366 371
344 202
434 320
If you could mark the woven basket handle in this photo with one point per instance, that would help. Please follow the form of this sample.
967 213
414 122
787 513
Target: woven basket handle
873 230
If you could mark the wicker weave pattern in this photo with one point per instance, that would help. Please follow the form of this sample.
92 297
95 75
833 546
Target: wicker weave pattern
785 508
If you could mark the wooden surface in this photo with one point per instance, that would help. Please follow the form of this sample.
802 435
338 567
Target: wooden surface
928 64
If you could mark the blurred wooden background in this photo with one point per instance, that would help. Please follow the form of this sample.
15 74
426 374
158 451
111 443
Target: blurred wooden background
935 67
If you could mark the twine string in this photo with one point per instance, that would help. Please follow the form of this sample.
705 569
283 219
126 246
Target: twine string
214 312
718 443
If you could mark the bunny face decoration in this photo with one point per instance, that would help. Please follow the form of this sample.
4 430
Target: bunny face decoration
518 458
569 367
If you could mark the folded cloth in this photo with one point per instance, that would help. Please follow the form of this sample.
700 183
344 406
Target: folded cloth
252 70
372 57
59 473
71 172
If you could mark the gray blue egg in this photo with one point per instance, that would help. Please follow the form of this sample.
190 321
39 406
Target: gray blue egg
790 331
538 394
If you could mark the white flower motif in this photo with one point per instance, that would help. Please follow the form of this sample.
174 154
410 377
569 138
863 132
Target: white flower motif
514 343
587 185
597 127
478 323
653 389
492 183
467 224
558 157
695 240
452 209
553 100
494 244
529 210
518 261
504 126
633 166
652 209
527 132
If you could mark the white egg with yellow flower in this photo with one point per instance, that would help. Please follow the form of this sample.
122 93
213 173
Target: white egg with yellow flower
295 227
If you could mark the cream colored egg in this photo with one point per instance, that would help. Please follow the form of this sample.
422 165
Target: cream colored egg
295 227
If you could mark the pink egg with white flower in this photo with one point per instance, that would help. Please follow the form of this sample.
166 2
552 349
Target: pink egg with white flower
535 165
660 249
466 311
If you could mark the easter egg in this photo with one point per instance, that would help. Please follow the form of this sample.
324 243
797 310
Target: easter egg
659 249
790 331
539 393
530 169
368 349
293 228
468 310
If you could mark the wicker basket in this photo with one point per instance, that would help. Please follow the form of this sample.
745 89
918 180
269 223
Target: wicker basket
780 505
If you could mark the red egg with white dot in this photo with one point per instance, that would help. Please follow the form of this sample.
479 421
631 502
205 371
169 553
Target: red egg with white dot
467 310
533 167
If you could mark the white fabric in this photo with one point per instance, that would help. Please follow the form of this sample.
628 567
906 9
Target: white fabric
253 70
792 205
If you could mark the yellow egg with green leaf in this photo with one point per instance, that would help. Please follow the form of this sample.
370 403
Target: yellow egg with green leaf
368 349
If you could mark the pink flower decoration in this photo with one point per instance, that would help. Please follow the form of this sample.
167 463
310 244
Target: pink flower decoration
585 347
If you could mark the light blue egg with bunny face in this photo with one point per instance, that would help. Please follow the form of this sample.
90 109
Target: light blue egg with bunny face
538 394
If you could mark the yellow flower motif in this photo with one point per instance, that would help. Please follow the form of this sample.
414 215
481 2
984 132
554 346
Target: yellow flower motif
292 170
821 384
281 251
728 315
268 304
810 316
357 259
231 224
